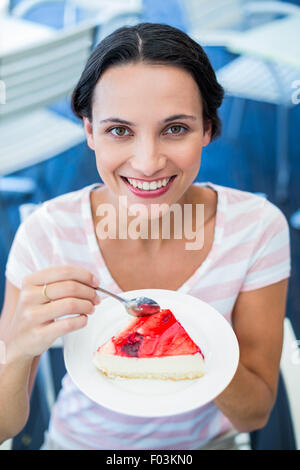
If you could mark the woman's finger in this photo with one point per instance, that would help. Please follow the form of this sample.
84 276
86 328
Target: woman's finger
59 308
56 329
60 273
63 289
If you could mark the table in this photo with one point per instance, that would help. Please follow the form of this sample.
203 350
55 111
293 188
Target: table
278 44
16 34
277 41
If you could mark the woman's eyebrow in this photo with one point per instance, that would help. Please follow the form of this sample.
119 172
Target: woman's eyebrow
120 121
179 116
174 117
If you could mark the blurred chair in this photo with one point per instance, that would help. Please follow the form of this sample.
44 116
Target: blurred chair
38 76
211 16
171 12
24 7
295 219
282 432
214 22
107 14
290 362
253 78
35 77
111 15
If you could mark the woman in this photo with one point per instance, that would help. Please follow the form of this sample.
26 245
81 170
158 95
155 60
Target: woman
148 98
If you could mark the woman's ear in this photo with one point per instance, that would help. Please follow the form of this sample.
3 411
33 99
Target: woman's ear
88 127
207 128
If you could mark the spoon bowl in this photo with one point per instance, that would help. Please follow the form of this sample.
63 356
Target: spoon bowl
138 307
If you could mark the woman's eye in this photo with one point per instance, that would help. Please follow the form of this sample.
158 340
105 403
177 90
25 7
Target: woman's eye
119 131
176 130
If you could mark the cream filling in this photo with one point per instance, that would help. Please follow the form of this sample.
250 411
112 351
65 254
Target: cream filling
170 367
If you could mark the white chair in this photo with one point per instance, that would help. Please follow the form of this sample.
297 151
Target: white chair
290 364
34 78
37 76
26 6
210 16
289 368
215 23
253 78
111 15
295 220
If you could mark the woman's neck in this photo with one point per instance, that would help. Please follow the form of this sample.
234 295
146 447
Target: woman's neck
112 219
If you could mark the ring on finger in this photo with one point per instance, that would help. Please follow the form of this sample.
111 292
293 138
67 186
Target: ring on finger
45 293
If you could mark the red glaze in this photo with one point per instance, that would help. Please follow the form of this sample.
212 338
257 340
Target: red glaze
156 335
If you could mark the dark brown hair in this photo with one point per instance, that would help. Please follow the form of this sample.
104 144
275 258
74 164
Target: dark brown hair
153 44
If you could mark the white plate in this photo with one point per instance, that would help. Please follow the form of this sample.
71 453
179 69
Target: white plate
146 397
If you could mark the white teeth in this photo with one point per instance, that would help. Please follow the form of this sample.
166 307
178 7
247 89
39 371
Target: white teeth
148 186
133 182
153 185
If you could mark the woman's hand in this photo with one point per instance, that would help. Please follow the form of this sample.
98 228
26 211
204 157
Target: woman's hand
36 323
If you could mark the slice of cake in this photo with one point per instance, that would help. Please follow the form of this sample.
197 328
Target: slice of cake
155 346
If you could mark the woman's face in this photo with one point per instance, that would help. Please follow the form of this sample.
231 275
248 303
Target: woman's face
147 127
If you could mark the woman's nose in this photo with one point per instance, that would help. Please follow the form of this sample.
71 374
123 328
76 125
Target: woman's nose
147 158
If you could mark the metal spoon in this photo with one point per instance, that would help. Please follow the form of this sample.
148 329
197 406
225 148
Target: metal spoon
139 307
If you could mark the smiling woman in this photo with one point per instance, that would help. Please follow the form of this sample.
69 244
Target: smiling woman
149 100
145 108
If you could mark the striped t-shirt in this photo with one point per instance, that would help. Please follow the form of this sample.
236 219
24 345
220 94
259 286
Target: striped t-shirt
250 250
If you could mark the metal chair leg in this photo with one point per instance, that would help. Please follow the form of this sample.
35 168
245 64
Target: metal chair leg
295 220
282 160
236 117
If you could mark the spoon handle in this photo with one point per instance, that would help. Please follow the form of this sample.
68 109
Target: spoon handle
110 293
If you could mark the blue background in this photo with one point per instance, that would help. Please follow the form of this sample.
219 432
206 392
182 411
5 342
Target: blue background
247 164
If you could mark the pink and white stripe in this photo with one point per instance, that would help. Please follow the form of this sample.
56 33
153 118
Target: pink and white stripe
251 249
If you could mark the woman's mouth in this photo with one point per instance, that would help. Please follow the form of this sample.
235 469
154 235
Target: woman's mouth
148 189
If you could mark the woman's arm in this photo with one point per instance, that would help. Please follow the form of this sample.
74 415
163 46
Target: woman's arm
257 320
28 327
14 377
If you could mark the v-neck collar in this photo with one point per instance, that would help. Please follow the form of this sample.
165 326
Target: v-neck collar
103 271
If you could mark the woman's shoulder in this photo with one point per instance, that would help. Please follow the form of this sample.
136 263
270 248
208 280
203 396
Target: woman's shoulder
60 207
57 219
254 209
68 200
240 197
241 201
